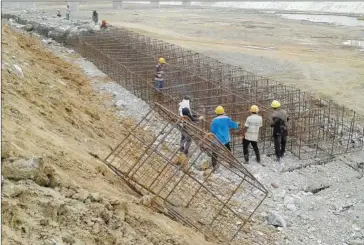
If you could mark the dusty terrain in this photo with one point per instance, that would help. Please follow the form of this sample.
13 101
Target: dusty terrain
64 195
308 55
322 204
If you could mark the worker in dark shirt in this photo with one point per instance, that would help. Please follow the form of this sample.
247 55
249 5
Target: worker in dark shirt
279 122
95 17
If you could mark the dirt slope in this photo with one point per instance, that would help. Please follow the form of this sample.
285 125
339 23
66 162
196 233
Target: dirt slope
63 194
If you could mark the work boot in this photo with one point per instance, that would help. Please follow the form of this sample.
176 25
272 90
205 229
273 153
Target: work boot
181 149
246 159
185 152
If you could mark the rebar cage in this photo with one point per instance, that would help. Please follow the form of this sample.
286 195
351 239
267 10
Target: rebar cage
149 159
317 129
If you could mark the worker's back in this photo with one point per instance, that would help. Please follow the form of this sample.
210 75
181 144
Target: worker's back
279 122
220 127
253 123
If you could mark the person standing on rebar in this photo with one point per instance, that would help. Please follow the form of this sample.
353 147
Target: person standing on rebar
251 133
185 111
220 127
159 78
68 12
159 74
279 122
95 17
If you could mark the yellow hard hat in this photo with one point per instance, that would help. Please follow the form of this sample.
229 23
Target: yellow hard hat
162 61
276 104
219 110
254 108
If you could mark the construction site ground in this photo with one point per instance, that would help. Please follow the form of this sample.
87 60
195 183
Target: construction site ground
65 111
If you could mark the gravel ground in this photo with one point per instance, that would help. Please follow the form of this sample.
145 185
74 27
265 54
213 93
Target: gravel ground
313 213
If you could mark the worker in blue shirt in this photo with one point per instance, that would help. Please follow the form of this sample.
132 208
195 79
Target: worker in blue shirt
220 127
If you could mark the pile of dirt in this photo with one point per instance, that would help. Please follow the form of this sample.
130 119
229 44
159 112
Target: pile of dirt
55 130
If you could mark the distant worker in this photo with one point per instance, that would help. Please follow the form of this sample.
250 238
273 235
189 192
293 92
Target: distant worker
95 17
103 24
58 13
68 12
186 112
251 133
159 75
220 127
279 122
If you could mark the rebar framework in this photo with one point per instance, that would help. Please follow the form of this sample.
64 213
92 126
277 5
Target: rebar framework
148 159
317 129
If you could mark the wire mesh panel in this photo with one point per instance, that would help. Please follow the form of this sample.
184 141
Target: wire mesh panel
149 159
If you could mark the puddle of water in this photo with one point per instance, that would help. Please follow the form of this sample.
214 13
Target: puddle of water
333 19
354 43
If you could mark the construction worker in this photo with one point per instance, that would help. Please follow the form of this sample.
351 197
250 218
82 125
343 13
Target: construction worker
186 112
58 13
185 103
159 80
95 17
251 133
103 24
68 12
279 122
220 127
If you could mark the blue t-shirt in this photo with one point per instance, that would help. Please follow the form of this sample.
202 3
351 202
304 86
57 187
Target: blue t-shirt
220 127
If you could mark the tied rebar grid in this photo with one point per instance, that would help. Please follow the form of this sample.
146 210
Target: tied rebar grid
217 204
317 129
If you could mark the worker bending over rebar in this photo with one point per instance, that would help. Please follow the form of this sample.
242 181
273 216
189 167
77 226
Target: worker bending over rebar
220 127
279 122
185 111
251 133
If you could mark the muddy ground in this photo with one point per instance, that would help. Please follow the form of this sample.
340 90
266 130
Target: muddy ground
308 55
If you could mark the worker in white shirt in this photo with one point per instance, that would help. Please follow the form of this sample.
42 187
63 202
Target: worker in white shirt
251 133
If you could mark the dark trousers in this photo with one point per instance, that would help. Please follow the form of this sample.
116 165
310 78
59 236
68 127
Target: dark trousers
280 145
246 144
185 142
215 164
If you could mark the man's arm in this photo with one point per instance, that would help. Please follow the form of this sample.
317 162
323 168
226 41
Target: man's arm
213 128
232 124
246 126
274 121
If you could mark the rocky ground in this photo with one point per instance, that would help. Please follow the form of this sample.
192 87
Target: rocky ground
54 129
322 204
